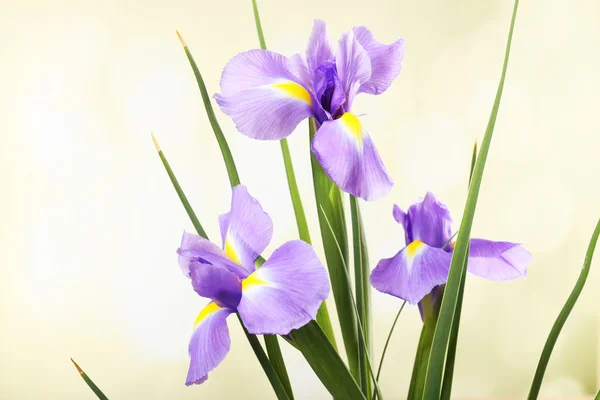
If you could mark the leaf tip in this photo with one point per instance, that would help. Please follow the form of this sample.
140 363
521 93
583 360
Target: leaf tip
181 38
77 366
156 143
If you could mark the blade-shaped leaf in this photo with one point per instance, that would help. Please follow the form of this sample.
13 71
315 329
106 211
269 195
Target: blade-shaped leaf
451 357
562 317
322 314
326 362
276 358
362 290
328 196
89 382
234 178
437 357
278 387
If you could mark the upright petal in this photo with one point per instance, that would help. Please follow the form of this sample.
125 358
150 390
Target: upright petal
353 66
196 249
209 344
399 215
319 47
285 293
349 157
413 272
386 60
498 261
429 221
246 230
216 283
260 94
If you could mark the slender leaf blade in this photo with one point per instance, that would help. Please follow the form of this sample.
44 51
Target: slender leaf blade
326 362
272 375
562 317
328 196
276 358
90 382
440 342
234 178
362 290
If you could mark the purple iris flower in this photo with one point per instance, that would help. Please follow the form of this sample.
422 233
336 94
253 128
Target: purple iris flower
424 263
267 95
283 294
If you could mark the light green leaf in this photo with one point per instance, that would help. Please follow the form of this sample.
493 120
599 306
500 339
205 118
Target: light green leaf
234 179
387 342
562 317
435 367
89 382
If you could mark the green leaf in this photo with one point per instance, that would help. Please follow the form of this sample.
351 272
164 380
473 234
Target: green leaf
234 179
597 396
89 382
186 204
362 347
451 357
442 333
562 317
326 362
387 342
278 387
362 290
322 314
276 358
328 196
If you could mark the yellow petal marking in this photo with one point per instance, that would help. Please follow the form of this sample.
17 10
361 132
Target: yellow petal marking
206 311
414 248
230 250
353 125
252 281
294 90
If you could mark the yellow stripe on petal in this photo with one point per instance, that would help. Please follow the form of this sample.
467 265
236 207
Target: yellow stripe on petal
206 311
414 248
251 281
294 90
353 125
230 250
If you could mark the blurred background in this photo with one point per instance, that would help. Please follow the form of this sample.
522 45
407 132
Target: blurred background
90 222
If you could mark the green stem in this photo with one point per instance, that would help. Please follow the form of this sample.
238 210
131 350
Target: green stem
387 342
362 290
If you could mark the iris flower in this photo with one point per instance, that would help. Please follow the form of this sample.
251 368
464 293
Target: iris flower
267 95
424 263
283 294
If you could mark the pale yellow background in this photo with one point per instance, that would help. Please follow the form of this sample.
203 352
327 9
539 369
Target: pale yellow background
90 223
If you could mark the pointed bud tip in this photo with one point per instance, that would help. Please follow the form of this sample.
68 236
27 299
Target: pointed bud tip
77 366
156 143
181 38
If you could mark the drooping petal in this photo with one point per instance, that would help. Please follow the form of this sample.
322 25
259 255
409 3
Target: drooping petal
216 283
196 249
386 60
399 215
285 293
246 230
498 261
319 47
413 272
350 159
209 343
264 99
353 66
429 221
